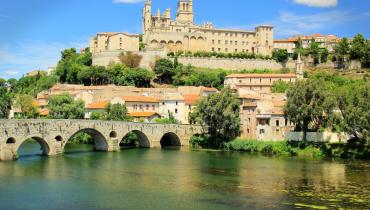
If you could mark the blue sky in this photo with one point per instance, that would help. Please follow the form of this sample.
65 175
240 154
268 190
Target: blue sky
32 33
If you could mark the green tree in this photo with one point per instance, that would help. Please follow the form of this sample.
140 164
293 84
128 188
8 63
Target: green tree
280 55
170 120
309 105
117 112
165 70
365 60
357 48
5 100
219 112
97 116
27 106
140 78
280 86
315 51
64 107
341 52
354 106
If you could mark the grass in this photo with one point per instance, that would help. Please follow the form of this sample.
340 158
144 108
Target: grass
274 148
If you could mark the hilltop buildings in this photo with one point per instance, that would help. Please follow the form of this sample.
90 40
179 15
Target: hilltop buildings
163 34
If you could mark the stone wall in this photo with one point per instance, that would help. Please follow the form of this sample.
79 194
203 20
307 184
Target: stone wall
317 137
234 64
105 58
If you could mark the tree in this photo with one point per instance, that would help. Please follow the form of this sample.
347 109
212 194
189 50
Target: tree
365 60
165 70
280 55
357 49
139 77
170 120
97 116
64 107
130 59
117 112
27 106
309 105
219 112
280 86
341 52
315 51
354 106
5 100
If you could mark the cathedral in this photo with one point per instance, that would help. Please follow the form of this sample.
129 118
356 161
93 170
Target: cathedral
160 31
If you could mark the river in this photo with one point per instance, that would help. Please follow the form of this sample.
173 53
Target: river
179 179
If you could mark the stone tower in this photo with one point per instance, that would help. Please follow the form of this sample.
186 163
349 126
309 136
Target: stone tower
147 16
299 67
185 12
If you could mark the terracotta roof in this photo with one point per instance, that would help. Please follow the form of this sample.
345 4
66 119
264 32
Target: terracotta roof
261 76
285 41
44 112
191 99
98 105
143 114
140 99
209 89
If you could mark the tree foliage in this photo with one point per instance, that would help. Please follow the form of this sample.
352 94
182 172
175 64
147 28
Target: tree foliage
64 107
5 100
219 112
27 106
354 106
130 59
165 70
280 86
280 55
117 112
309 105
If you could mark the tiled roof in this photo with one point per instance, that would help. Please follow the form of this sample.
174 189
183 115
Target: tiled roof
44 112
140 99
191 99
143 114
261 76
209 89
98 105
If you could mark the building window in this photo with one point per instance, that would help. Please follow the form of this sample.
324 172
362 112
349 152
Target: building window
147 107
213 41
240 81
219 41
231 42
247 130
190 107
231 35
262 131
226 42
163 103
153 107
141 107
226 50
176 111
213 49
177 103
236 50
219 49
236 42
226 34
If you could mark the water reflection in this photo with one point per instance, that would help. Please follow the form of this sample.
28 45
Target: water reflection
180 179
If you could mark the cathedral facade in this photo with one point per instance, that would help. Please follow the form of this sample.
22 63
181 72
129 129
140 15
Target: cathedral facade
160 31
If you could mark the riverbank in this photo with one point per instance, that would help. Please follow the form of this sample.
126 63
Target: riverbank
305 149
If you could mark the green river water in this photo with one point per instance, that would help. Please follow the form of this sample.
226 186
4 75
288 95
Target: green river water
179 179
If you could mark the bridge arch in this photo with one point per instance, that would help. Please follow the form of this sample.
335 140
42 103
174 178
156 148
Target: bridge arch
100 142
170 139
144 141
45 147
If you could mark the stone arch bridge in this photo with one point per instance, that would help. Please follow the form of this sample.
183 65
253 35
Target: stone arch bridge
53 135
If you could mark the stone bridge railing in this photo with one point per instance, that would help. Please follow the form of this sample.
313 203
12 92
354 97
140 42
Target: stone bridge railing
53 135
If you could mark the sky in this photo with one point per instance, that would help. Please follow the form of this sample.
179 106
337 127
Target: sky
34 32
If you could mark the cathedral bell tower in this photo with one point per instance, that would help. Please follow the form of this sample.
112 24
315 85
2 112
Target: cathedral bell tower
147 16
185 12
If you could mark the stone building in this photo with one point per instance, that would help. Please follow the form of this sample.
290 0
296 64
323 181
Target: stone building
160 31
259 83
262 117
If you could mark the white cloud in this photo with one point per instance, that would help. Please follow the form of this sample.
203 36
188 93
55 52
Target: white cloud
128 1
292 24
11 72
317 3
